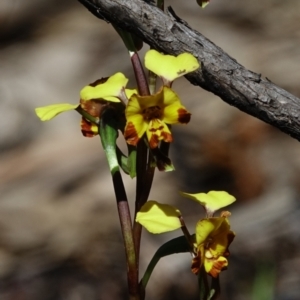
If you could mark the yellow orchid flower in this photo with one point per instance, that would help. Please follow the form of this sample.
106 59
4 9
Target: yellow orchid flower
170 67
151 114
109 90
211 201
92 100
144 114
213 237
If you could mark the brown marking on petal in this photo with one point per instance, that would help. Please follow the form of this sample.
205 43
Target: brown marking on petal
226 253
208 242
180 72
152 112
183 116
99 81
153 129
217 267
159 134
130 134
230 238
93 107
154 141
196 264
167 137
88 129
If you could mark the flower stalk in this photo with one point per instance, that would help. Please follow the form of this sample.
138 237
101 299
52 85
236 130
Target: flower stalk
140 76
144 166
186 233
108 133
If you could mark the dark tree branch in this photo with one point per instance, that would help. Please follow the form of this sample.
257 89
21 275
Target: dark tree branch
219 74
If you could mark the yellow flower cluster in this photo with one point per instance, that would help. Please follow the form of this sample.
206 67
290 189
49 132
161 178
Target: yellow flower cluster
144 114
213 235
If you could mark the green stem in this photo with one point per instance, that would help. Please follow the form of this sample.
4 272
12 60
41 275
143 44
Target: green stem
203 284
188 236
108 134
87 115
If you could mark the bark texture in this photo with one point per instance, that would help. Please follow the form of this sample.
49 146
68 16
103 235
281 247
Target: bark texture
219 73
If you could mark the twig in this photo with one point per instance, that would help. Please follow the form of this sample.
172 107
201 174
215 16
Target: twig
220 73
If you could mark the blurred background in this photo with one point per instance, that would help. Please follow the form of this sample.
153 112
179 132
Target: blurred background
59 230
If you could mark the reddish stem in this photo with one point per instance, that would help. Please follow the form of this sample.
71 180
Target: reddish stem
126 226
140 75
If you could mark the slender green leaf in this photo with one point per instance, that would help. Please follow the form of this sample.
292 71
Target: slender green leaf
176 245
108 134
131 163
123 160
131 41
215 289
203 284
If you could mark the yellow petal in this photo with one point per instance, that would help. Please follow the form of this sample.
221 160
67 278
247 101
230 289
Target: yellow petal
170 97
47 113
158 218
174 112
221 238
205 228
135 128
130 92
215 265
133 107
88 129
145 102
138 104
212 201
110 90
215 234
170 67
158 131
